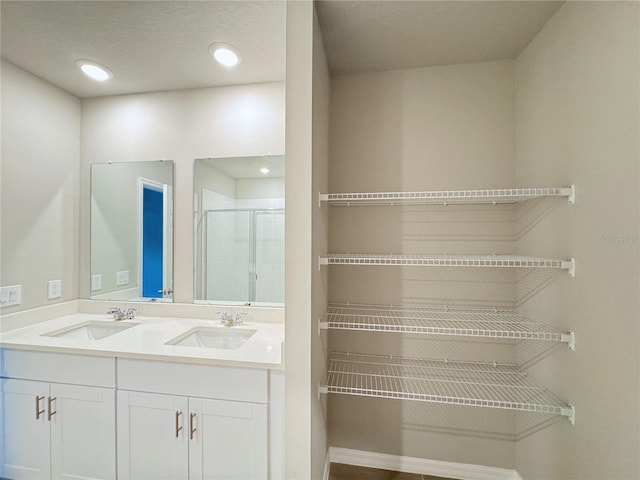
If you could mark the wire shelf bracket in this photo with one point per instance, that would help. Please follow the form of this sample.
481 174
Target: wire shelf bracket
446 197
487 385
441 321
570 413
496 261
570 266
570 339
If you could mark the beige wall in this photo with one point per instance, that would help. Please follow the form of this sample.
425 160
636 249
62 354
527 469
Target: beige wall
438 128
298 253
422 129
39 190
577 117
319 287
306 238
235 121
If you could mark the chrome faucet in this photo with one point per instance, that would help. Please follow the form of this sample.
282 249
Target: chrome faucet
119 314
229 320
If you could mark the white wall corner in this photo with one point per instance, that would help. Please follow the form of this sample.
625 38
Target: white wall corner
461 471
327 465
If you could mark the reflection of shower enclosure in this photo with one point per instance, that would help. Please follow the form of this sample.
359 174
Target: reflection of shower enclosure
244 255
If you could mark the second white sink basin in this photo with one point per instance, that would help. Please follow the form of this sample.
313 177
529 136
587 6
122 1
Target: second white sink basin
213 337
91 330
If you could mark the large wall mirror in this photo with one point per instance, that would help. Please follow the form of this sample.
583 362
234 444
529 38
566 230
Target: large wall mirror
132 231
239 230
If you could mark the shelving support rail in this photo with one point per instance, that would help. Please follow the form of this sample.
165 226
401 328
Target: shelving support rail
446 197
488 385
498 261
441 321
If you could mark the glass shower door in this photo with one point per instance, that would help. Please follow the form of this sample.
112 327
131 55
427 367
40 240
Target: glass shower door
269 256
228 259
244 256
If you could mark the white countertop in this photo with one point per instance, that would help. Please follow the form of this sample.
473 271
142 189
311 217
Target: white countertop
147 341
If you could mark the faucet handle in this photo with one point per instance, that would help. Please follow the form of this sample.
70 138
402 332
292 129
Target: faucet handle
225 318
117 313
239 317
131 313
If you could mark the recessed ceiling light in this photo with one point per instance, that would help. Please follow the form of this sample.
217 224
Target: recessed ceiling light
225 54
94 70
264 170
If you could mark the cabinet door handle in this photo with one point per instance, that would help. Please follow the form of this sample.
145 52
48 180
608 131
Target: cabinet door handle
39 412
51 412
192 428
178 427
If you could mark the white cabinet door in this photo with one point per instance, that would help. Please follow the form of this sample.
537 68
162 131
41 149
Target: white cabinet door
25 430
152 436
57 431
276 425
229 440
83 432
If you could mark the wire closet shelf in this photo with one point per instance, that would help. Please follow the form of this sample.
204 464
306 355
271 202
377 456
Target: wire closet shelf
444 260
446 197
434 320
487 385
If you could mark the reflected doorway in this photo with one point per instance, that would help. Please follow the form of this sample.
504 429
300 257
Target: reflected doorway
155 239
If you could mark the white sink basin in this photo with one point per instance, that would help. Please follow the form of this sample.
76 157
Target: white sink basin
213 337
91 330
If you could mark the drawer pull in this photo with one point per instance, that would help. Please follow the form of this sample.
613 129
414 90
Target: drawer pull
51 412
178 427
39 412
192 427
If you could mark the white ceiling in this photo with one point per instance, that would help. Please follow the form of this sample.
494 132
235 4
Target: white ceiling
370 35
163 45
149 45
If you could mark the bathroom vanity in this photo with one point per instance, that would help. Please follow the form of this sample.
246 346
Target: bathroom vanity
86 397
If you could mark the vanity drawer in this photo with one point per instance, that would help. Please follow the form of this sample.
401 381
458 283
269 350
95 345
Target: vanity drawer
209 381
59 368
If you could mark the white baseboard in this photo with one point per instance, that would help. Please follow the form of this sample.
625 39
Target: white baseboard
438 468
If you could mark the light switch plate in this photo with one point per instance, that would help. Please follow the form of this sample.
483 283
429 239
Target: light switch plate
54 289
122 278
96 282
11 295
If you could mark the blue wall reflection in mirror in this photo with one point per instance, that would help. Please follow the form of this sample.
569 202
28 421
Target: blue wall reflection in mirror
152 230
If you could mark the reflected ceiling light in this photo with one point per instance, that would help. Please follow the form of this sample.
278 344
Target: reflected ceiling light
264 170
94 70
225 54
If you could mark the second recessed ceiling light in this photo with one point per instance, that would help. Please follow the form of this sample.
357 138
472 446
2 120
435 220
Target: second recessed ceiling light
94 70
225 54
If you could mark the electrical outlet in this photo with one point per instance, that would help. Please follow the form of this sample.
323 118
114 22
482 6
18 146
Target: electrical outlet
11 295
122 278
54 289
96 282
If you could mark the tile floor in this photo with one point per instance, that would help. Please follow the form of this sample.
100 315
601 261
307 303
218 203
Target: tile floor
340 471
